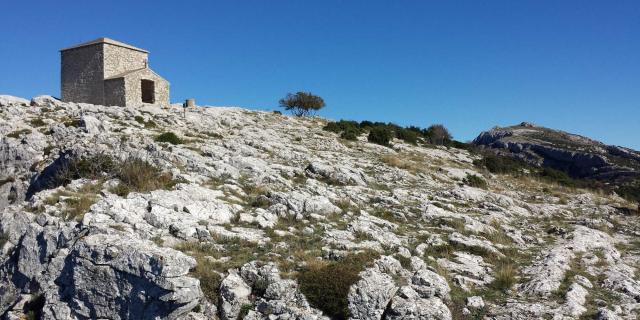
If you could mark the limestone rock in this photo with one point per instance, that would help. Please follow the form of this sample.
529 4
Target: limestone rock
234 294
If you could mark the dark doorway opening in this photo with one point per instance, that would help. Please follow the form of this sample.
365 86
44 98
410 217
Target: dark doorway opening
148 91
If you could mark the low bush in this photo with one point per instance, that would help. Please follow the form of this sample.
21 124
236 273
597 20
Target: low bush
409 136
342 125
94 167
475 181
147 124
120 189
630 192
380 135
37 122
326 284
134 173
350 134
16 134
169 137
501 164
139 175
76 123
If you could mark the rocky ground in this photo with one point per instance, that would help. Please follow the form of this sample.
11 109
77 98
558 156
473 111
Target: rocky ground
257 215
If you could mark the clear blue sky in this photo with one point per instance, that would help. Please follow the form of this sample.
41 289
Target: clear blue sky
471 65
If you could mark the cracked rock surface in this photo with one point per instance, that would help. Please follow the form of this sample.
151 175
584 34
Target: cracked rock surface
249 201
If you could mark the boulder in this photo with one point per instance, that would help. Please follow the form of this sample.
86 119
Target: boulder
234 294
369 297
45 101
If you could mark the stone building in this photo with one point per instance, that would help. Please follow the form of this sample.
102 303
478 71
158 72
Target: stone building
112 73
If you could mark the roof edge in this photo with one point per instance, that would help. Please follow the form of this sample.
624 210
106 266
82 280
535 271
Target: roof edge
104 41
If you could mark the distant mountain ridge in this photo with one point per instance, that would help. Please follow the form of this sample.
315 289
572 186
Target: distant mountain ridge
579 156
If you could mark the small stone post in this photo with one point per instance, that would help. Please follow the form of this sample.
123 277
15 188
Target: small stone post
189 103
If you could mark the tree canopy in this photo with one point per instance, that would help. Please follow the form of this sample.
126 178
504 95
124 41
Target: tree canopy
302 103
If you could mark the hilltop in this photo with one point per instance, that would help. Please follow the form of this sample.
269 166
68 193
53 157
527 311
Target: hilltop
143 213
579 156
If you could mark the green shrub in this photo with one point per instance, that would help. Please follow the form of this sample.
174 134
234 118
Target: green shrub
558 176
147 124
134 173
169 137
16 134
409 136
120 189
630 192
342 125
326 285
76 123
94 167
140 175
37 122
437 134
501 164
380 135
350 134
475 181
244 310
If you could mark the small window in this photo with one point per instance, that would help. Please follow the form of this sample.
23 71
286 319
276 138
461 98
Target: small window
148 91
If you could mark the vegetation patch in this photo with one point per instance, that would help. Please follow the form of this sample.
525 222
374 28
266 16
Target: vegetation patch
326 284
169 137
147 124
239 251
16 134
209 278
75 123
381 136
475 181
630 192
501 164
135 174
120 189
139 175
37 122
505 273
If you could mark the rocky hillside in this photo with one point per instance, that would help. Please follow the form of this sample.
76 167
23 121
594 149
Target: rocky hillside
122 213
579 156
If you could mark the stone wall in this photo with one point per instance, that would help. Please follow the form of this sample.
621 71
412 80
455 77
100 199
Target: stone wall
134 90
118 60
82 75
114 92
